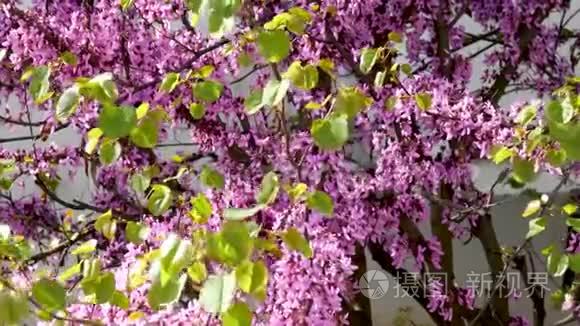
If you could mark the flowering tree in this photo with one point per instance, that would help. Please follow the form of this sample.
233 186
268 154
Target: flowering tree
358 128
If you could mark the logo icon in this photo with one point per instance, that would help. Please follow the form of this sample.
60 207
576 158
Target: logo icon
373 284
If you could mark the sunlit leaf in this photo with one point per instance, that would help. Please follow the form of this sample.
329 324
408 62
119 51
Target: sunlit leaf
368 58
232 244
106 225
236 214
532 208
136 232
536 226
201 208
67 103
423 101
296 241
321 202
274 45
211 178
197 272
117 122
208 91
109 151
237 315
50 294
351 101
196 110
85 248
160 199
304 77
268 189
217 293
330 133
169 82
93 137
253 278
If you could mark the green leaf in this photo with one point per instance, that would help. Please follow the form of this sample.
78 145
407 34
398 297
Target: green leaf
245 60
253 103
85 248
321 202
93 137
574 262
101 87
330 133
142 110
196 110
106 225
395 37
120 300
164 294
351 101
556 157
295 241
14 308
110 151
140 182
274 45
268 189
197 272
500 153
574 223
302 77
557 263
136 232
117 122
274 92
50 294
217 293
380 79
407 69
175 254
69 58
526 115
559 112
169 82
232 244
368 58
125 4
296 192
70 272
569 208
211 178
536 226
238 214
146 133
208 90
91 268
40 84
532 208
327 66
391 102
237 315
295 20
523 170
67 103
160 199
423 101
201 206
105 288
253 278
221 16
